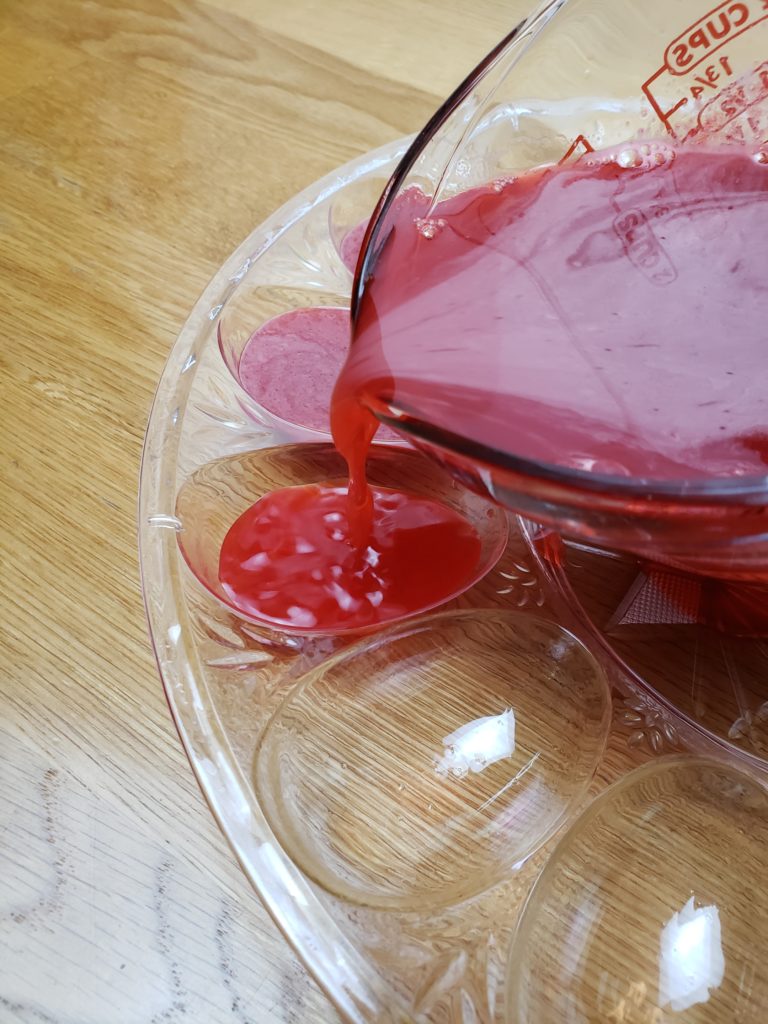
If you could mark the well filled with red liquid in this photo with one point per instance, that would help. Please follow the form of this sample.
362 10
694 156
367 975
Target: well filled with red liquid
290 558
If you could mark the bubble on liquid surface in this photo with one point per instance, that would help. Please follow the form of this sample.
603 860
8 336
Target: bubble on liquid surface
629 158
429 227
650 908
499 184
761 157
469 737
647 156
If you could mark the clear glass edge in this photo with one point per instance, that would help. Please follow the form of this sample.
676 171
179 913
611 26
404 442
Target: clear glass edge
348 979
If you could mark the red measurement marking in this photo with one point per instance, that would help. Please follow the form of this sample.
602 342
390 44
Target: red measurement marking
642 247
716 28
691 48
663 115
580 146
705 82
734 101
708 79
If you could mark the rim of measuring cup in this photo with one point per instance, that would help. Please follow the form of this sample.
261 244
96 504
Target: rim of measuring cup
717 490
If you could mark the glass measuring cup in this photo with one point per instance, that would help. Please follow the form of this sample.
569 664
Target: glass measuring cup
639 94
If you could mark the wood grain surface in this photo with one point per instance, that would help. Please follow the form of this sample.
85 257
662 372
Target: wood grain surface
140 141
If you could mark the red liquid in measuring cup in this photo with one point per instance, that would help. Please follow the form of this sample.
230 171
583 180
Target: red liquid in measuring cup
608 316
290 560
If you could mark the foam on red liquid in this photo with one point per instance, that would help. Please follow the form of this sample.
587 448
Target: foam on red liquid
289 559
290 365
351 243
291 362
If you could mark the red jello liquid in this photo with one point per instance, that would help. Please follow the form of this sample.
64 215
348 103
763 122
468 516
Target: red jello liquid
291 362
349 250
289 560
608 316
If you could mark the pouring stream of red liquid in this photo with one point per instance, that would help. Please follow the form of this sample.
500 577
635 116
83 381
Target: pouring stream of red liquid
607 316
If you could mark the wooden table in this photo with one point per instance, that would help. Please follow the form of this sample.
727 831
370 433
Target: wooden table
141 140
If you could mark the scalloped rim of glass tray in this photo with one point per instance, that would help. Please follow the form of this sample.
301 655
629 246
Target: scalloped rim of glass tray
350 981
